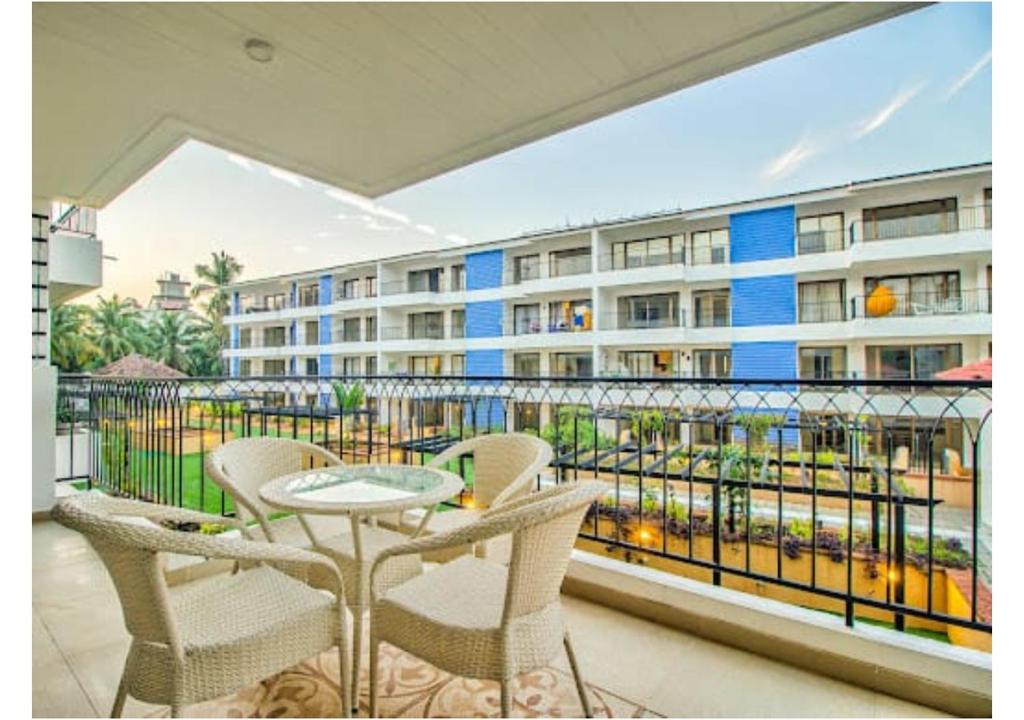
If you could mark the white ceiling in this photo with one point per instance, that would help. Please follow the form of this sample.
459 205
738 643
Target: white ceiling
370 97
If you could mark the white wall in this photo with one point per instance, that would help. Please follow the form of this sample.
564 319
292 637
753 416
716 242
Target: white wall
44 423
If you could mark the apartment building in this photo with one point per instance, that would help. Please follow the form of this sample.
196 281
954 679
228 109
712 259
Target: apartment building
882 278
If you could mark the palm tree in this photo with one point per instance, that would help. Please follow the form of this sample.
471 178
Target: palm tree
116 329
71 348
204 351
172 336
214 278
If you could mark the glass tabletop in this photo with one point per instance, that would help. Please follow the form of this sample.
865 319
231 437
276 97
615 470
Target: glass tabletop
361 488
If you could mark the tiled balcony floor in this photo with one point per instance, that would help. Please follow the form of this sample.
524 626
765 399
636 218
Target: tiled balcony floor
79 644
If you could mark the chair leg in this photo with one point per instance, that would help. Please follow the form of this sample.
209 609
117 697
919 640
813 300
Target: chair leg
122 693
506 698
374 661
357 649
175 711
581 688
343 677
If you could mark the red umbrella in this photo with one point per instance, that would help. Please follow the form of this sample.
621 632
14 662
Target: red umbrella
981 370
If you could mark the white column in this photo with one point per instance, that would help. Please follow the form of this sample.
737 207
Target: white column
44 383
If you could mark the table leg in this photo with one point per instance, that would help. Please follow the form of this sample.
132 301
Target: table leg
358 609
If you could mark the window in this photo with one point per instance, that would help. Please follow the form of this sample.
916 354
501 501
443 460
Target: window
274 368
923 294
820 233
648 311
823 301
911 219
311 331
245 337
526 319
245 368
371 286
712 363
458 277
350 330
916 362
570 316
350 367
709 247
277 301
349 289
309 295
822 363
660 363
988 207
425 365
526 267
312 367
711 308
647 253
371 327
526 365
569 262
425 280
458 365
527 416
426 326
579 365
458 324
371 364
274 337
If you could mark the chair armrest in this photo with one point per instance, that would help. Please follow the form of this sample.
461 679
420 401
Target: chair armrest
525 478
160 513
460 448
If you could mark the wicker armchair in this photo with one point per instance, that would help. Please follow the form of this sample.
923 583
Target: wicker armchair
482 619
210 637
240 467
505 467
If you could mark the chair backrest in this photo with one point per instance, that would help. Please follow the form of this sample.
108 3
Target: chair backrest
240 467
545 528
129 550
502 463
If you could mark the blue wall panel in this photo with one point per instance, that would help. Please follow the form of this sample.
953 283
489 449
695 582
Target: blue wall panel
236 308
789 427
324 366
485 413
235 366
484 269
326 294
293 365
325 330
484 319
773 359
764 300
762 234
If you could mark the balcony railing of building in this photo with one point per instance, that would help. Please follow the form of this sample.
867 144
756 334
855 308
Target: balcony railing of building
565 267
792 485
538 326
627 321
976 217
429 332
819 241
628 260
825 311
401 287
250 305
921 304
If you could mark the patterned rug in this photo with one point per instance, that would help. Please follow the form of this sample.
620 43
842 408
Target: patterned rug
411 688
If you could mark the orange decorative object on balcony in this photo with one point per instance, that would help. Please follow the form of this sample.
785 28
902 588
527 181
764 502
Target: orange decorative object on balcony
880 302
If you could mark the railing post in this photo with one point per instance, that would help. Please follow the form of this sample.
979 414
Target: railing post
716 513
900 551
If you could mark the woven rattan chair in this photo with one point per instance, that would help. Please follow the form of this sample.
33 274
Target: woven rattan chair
211 637
505 467
478 618
242 466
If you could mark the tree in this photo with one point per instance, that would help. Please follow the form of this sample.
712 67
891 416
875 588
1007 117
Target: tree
71 348
116 329
214 278
173 335
204 351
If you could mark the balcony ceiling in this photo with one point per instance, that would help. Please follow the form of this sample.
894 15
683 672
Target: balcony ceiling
370 98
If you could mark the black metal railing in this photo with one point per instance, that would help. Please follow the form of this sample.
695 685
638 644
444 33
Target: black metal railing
804 488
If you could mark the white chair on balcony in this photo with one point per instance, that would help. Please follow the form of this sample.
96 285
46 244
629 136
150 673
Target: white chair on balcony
241 467
481 619
505 467
210 637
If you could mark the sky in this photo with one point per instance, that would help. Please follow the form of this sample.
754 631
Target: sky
913 93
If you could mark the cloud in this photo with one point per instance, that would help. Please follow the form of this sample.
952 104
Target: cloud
428 229
241 162
285 177
961 82
885 114
785 163
341 216
457 239
300 249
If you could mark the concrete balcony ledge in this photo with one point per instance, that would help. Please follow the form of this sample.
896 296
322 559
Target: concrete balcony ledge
953 679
